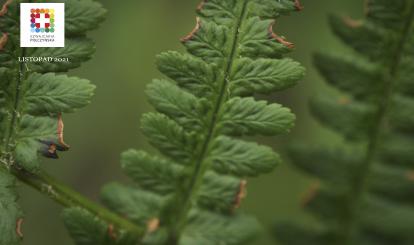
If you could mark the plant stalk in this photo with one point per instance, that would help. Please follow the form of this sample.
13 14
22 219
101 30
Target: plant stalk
69 198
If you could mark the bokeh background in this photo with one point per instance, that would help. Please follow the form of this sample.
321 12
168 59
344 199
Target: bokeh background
127 43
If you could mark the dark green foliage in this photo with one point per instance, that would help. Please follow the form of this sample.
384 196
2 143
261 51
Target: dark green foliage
366 184
191 193
33 99
10 212
87 229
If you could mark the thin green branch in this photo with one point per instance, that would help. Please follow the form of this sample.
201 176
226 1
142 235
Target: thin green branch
177 223
68 197
390 79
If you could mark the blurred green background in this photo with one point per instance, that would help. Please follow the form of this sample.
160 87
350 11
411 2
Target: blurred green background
127 43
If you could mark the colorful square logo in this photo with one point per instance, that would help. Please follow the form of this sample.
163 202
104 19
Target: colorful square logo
42 24
42 20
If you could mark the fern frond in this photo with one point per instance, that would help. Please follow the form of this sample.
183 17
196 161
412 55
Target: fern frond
365 186
32 100
190 193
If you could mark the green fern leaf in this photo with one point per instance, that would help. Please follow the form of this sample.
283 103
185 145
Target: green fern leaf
76 51
351 118
179 105
264 75
37 136
162 176
33 99
233 53
10 213
50 93
364 192
245 116
87 229
82 16
241 158
189 72
168 136
255 42
149 172
137 205
220 193
207 228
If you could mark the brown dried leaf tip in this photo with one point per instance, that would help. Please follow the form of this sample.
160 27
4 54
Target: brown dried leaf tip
5 7
60 132
241 194
278 38
111 232
51 147
311 193
298 5
19 224
351 22
153 225
3 40
201 5
410 175
193 32
344 101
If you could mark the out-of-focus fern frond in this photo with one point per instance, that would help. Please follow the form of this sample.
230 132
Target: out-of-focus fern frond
364 195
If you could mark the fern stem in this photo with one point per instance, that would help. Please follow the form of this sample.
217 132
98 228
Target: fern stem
361 185
201 165
67 197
